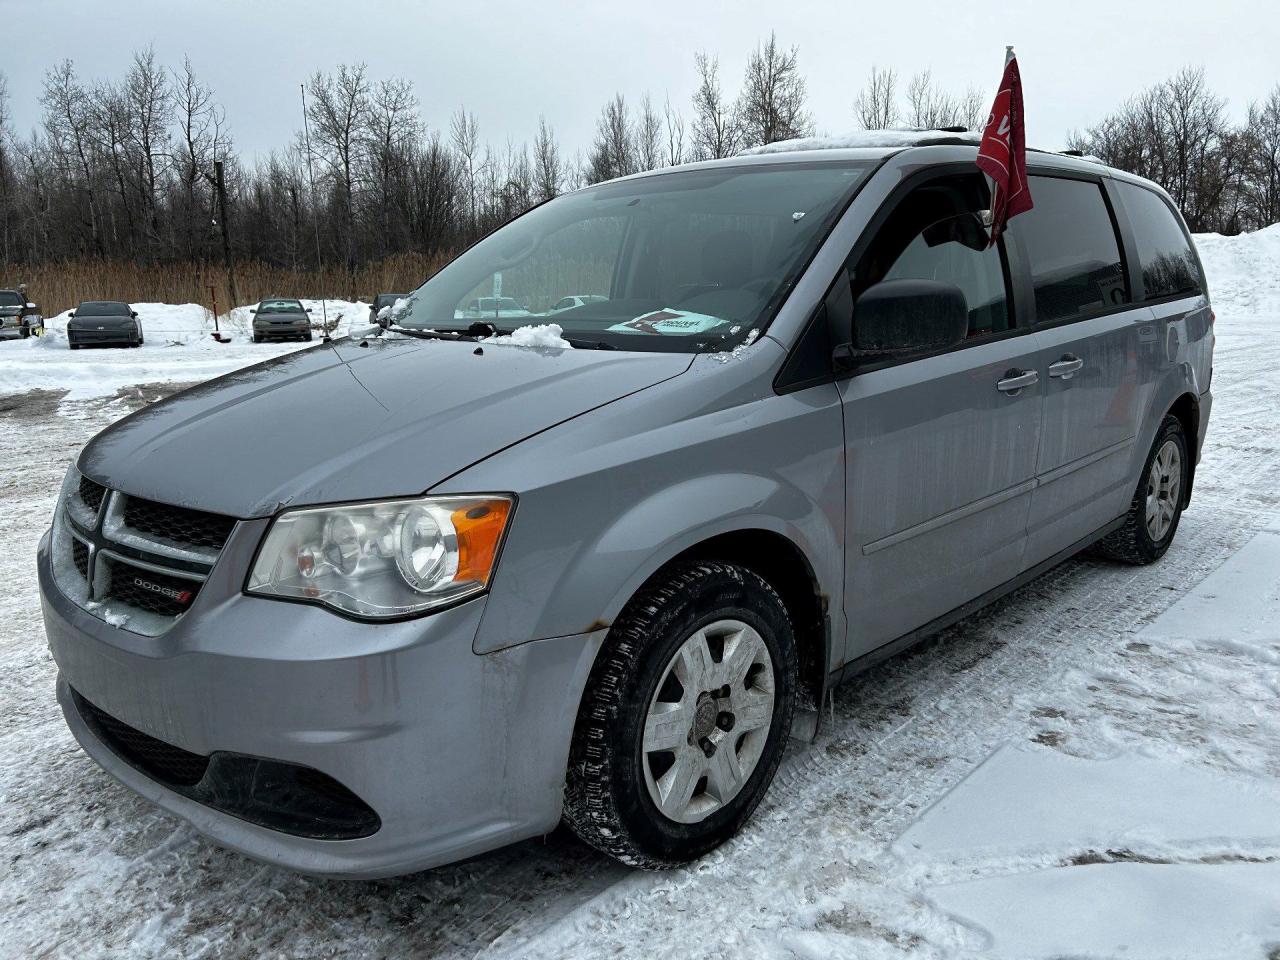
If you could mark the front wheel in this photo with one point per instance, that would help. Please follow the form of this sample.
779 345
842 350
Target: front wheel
685 716
1157 504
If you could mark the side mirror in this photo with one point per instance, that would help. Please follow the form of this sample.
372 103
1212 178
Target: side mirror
896 319
32 306
308 309
70 314
134 314
253 309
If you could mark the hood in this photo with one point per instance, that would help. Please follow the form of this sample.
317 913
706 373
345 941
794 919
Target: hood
343 422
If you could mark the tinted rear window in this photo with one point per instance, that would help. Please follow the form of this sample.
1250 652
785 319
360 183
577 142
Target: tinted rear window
1073 251
102 308
1168 263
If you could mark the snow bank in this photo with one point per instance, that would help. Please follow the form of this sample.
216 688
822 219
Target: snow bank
1243 271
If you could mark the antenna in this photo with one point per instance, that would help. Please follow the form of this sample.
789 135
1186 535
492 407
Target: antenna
311 176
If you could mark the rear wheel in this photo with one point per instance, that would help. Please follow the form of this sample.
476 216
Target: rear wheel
1157 503
256 338
307 336
74 346
685 717
24 332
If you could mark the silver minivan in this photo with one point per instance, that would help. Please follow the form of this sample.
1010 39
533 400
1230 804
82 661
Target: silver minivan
399 599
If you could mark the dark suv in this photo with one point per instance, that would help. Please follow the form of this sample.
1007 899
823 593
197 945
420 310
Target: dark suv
18 316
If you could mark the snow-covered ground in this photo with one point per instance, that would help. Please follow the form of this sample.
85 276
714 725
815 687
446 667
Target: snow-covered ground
179 348
1090 768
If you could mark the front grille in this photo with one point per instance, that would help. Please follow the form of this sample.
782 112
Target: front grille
148 590
163 761
194 527
276 794
91 494
80 556
146 560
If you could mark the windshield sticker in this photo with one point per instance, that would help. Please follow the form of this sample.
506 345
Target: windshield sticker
667 322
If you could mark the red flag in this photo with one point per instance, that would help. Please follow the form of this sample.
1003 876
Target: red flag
1003 153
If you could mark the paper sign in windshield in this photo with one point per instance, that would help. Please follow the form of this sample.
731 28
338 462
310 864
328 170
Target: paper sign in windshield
668 322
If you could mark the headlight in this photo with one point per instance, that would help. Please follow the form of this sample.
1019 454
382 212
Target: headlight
386 559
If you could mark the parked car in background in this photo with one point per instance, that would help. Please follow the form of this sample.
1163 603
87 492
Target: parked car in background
383 300
18 317
280 319
577 300
820 417
495 308
104 323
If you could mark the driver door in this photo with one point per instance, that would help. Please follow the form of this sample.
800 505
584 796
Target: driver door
940 450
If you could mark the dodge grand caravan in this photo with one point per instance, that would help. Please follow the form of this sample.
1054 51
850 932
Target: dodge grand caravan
816 417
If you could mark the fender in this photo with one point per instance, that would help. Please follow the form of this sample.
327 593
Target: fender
605 572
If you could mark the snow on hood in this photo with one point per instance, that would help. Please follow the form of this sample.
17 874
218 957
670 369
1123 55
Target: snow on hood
531 335
351 422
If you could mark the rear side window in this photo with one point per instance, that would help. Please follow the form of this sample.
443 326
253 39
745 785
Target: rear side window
1071 245
1169 267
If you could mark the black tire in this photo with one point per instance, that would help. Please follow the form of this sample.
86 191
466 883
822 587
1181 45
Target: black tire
1133 543
24 332
73 346
607 803
307 336
256 338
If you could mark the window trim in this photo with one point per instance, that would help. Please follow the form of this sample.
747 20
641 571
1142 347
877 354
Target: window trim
1119 229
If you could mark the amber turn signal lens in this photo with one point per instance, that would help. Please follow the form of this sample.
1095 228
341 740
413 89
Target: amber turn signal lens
479 529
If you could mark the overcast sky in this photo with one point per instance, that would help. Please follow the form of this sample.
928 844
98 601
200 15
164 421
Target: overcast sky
510 61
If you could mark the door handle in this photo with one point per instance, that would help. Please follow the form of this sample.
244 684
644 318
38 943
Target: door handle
1066 368
1015 380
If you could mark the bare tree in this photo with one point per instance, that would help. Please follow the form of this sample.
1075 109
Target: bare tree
464 131
393 126
1263 146
202 137
876 107
67 119
772 103
648 136
674 124
547 172
146 94
716 129
613 151
338 110
928 106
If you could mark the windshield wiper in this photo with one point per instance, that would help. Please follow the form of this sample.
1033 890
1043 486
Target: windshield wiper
580 344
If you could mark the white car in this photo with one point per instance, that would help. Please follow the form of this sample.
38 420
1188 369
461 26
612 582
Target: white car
568 303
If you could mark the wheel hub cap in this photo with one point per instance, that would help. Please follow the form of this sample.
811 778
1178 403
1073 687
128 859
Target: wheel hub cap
1164 490
708 721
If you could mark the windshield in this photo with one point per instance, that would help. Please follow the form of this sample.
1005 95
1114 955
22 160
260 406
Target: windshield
9 299
102 308
280 306
684 261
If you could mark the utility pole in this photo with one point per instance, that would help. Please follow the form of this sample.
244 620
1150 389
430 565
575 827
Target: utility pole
221 184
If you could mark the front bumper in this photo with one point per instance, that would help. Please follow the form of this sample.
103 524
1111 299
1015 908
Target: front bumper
281 329
457 753
95 337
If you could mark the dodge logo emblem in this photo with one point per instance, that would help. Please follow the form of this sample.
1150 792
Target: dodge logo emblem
181 596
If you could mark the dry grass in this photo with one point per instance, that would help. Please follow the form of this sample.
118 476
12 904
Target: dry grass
60 286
